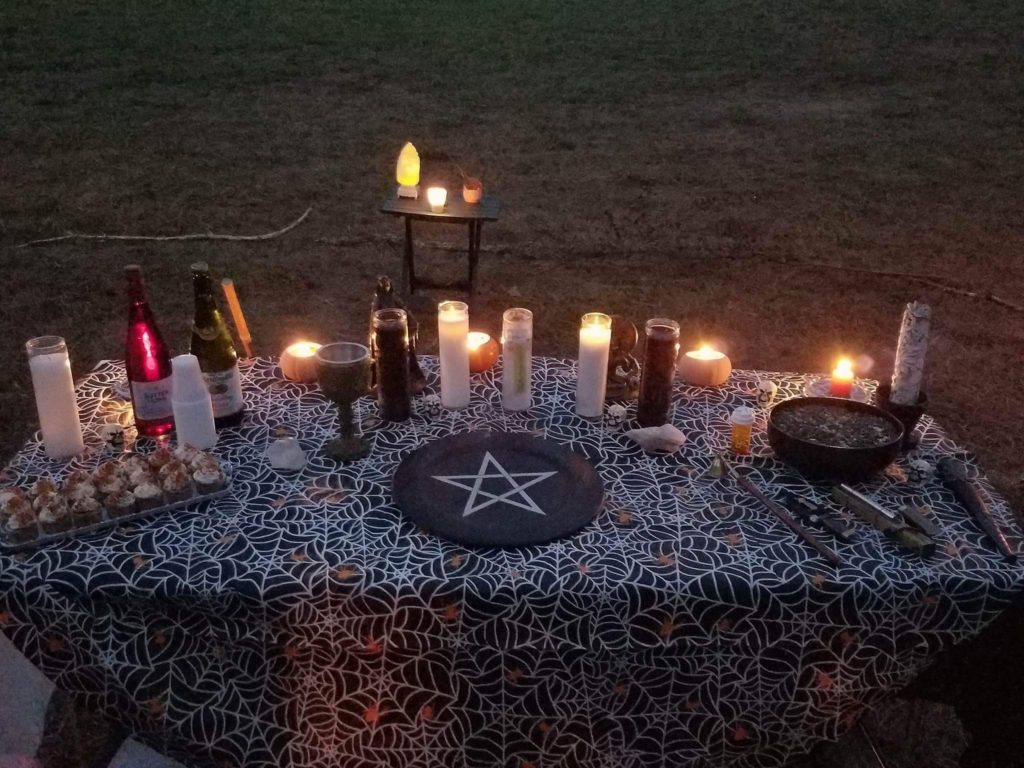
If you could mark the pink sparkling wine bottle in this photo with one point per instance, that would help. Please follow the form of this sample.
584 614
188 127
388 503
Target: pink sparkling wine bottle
147 362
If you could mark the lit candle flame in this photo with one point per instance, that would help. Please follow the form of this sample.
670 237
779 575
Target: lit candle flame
303 349
844 369
476 339
705 353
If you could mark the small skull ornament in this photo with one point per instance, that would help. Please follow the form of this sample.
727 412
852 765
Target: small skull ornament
614 416
919 471
766 391
112 435
430 406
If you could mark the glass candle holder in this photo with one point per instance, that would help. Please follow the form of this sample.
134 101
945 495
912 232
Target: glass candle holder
452 334
592 375
391 341
516 358
661 349
54 389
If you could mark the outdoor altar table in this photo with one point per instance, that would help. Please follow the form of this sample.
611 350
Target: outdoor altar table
456 211
302 622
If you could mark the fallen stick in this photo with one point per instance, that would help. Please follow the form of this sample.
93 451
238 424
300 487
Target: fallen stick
934 282
169 238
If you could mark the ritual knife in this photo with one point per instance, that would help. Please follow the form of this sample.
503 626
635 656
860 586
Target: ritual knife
815 514
890 523
954 476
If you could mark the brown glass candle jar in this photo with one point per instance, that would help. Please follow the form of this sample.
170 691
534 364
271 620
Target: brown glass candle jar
661 349
391 345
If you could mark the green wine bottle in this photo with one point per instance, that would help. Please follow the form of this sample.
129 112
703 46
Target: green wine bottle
218 360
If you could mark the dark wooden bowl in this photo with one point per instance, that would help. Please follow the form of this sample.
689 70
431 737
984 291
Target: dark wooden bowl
833 462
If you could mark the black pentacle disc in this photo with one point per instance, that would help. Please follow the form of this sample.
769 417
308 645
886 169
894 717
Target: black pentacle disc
498 489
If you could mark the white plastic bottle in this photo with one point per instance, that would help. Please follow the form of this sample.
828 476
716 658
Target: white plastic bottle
193 409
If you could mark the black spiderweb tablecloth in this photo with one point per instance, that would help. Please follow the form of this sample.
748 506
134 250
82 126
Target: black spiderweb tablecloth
302 622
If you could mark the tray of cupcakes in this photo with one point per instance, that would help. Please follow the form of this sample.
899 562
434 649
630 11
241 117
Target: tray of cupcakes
132 486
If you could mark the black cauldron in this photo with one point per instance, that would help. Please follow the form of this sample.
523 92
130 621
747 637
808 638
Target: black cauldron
833 462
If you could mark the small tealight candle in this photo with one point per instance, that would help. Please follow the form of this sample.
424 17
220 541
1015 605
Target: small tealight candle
704 367
298 361
841 384
437 197
483 351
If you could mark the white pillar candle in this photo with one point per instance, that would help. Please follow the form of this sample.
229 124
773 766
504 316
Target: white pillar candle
452 333
516 362
55 396
595 336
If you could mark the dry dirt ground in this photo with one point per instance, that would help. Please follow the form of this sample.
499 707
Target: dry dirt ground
653 158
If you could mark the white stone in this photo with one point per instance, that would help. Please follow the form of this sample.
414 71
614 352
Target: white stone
286 454
663 439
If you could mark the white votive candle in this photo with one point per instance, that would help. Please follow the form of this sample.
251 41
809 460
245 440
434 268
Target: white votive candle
452 333
437 197
54 388
595 336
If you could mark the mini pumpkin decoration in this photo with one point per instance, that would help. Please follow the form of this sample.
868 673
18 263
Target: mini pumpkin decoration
298 362
704 367
483 351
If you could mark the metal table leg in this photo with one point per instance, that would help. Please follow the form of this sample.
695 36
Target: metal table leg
408 263
474 253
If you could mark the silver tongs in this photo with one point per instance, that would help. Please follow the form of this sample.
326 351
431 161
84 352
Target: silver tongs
892 524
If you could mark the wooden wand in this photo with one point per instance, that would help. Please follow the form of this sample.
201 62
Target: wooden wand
780 512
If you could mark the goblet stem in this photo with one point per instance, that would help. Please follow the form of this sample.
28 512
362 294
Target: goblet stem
347 420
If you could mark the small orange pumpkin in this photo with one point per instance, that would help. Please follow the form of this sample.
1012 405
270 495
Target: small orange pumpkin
483 351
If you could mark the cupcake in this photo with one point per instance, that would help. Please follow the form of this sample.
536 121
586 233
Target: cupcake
185 453
55 518
76 478
9 499
108 470
141 476
148 495
110 486
172 467
209 479
86 511
160 457
80 491
204 459
121 503
42 486
21 524
177 485
45 499
6 494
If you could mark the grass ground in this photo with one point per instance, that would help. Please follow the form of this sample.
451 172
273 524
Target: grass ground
652 158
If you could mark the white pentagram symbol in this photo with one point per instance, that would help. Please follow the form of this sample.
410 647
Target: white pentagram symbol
517 488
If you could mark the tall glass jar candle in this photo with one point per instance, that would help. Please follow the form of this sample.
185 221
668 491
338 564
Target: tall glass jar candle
661 349
54 388
391 342
452 335
516 362
592 375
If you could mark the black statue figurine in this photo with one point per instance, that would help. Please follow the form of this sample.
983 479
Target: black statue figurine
385 298
623 368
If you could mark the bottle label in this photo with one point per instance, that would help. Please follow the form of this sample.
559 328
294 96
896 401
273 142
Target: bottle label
152 399
225 391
